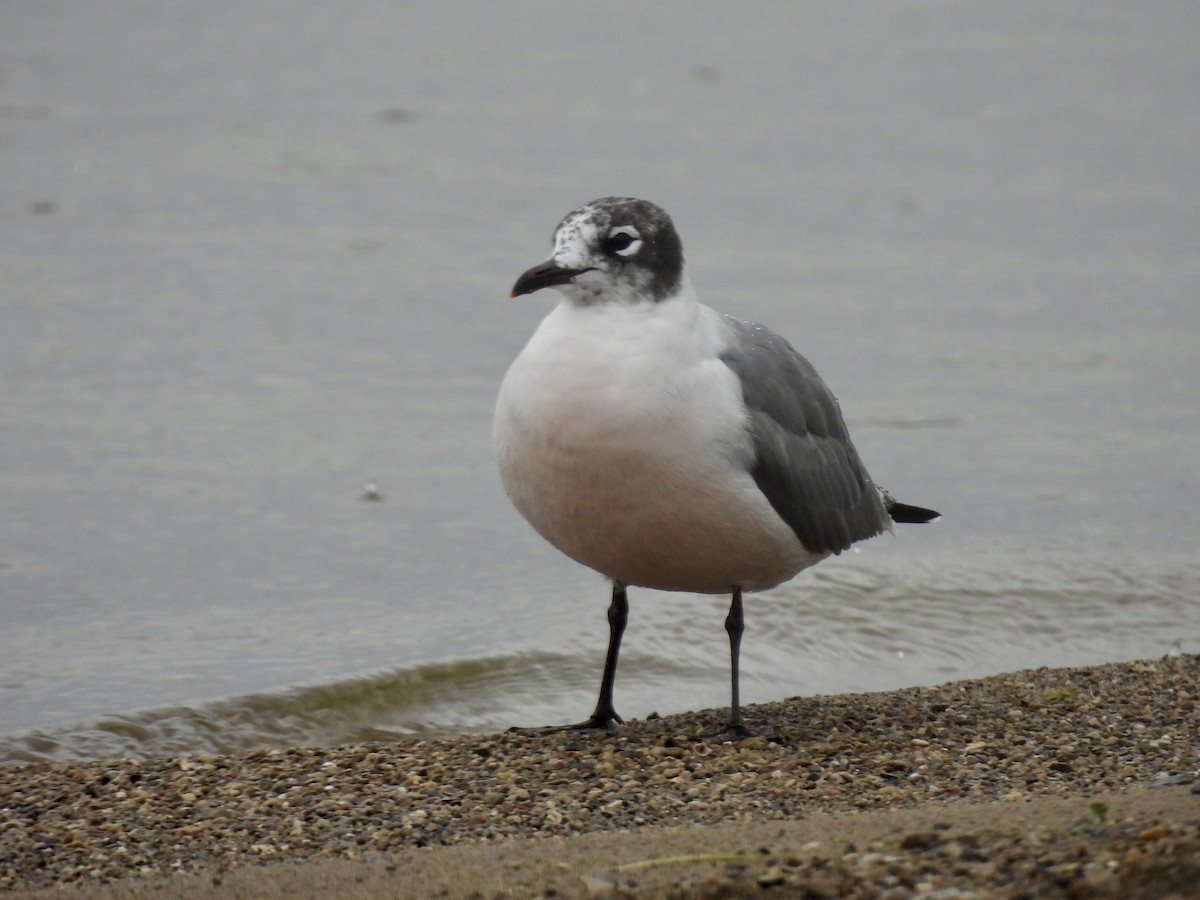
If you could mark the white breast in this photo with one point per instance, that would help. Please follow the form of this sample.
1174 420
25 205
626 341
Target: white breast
621 438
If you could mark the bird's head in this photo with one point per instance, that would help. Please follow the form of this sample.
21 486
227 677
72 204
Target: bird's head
612 250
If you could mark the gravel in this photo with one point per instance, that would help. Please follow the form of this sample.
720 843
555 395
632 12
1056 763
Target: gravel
1044 733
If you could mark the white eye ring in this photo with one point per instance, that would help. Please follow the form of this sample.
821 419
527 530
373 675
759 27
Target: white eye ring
623 240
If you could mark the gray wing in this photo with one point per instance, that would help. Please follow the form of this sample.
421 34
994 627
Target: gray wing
804 462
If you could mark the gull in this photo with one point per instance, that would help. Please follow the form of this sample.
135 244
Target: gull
667 445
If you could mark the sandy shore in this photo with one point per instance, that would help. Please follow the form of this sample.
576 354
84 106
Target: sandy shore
1068 782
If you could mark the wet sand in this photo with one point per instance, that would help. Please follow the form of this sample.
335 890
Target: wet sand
1066 782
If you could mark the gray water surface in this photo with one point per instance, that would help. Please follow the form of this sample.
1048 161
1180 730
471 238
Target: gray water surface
255 257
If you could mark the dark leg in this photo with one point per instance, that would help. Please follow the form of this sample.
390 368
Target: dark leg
605 717
735 624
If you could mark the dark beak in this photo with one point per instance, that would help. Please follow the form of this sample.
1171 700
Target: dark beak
545 275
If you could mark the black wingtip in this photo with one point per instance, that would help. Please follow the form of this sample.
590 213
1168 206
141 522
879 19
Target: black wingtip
904 512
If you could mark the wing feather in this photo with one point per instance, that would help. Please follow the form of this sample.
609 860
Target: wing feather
804 461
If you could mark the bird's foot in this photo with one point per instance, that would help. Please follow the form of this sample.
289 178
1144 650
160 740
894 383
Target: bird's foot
600 722
734 731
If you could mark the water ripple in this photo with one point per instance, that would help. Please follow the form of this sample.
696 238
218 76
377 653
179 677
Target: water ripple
870 625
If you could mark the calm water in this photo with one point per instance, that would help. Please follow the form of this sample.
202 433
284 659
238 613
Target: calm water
255 257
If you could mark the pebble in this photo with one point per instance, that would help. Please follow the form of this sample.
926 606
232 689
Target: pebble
1041 732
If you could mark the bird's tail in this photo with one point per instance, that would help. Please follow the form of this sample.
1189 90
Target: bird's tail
905 512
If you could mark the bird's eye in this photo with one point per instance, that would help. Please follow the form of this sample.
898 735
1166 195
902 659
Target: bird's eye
618 242
622 241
